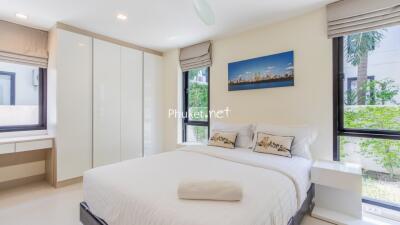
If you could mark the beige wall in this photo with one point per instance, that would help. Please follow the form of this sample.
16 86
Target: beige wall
171 72
308 102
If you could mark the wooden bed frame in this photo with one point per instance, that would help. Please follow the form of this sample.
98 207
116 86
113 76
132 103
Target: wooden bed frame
88 218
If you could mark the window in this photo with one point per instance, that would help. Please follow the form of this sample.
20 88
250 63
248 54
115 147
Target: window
367 110
22 97
7 88
196 105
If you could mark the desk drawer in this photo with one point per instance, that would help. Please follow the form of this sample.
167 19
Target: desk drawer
7 148
33 145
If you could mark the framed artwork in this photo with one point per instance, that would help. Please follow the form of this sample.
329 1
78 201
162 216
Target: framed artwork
263 72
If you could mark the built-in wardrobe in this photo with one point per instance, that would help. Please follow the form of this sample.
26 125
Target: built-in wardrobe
102 102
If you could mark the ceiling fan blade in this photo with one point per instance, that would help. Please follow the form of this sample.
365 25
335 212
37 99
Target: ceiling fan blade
204 11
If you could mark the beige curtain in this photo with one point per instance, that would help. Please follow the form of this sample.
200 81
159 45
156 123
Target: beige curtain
354 16
25 45
196 56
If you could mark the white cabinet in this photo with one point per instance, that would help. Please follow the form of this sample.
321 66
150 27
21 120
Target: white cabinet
70 83
118 103
107 103
96 100
337 192
153 111
131 103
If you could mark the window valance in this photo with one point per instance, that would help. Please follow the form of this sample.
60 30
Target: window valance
21 44
196 56
355 16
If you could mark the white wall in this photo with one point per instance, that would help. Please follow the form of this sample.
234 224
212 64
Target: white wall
308 102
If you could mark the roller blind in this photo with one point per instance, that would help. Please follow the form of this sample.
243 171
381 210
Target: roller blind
195 56
354 16
24 45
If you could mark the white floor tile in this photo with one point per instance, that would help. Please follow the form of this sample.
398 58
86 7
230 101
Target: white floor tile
41 204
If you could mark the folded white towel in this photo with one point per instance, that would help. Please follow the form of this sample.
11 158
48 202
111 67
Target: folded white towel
210 190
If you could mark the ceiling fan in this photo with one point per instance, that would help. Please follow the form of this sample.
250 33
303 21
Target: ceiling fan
204 12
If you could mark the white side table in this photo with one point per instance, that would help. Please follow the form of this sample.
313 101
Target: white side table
338 189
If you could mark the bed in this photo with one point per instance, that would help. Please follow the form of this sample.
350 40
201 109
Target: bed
276 190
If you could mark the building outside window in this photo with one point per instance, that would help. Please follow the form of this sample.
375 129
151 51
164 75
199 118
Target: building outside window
196 105
7 88
22 97
351 90
367 110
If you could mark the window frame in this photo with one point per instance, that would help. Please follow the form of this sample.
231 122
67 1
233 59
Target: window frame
42 125
338 99
185 120
338 122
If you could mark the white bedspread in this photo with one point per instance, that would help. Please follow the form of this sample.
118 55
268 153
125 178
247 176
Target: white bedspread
144 191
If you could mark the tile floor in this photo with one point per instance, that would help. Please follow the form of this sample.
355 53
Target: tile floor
40 204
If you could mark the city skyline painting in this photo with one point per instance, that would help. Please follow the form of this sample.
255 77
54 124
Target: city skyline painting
263 72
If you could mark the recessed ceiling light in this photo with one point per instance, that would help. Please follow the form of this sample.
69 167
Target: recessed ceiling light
121 16
172 38
21 16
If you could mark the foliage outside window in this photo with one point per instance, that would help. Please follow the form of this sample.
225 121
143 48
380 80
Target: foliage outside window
196 89
198 94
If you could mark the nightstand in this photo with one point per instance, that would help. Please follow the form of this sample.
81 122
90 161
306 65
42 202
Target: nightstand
338 189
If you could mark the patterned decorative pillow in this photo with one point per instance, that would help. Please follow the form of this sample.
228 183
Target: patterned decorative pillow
272 144
223 139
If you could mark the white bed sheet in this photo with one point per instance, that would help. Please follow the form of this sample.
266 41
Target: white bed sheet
296 168
143 191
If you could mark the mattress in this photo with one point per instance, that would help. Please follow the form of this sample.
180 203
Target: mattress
144 191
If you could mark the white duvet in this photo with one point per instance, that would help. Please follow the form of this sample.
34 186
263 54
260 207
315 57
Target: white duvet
144 191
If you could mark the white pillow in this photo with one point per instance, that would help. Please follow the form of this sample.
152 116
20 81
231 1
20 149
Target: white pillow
273 144
223 139
304 137
245 132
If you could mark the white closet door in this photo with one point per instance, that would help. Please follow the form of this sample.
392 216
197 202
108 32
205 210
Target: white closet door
107 103
74 104
131 103
153 111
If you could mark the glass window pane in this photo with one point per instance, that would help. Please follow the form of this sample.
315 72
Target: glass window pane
380 160
198 94
5 89
19 94
196 134
371 83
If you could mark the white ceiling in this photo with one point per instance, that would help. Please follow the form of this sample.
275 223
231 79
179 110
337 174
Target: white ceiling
156 24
